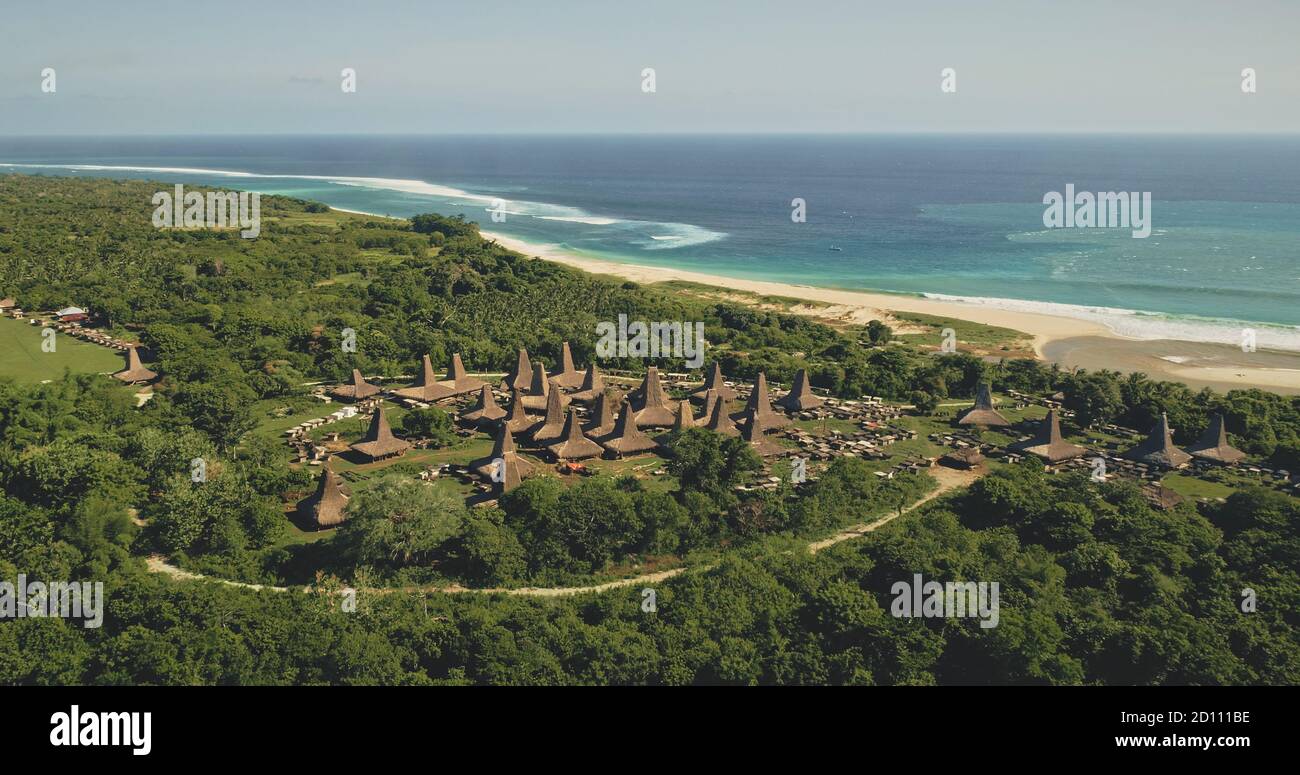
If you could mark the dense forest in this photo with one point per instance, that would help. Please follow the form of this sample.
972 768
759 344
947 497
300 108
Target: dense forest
1097 586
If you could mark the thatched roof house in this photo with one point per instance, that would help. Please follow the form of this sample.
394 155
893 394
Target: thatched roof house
355 390
760 405
326 507
486 411
1159 449
503 449
685 418
551 427
568 377
1049 444
135 371
627 439
651 402
539 391
513 470
518 420
715 383
753 432
801 398
602 417
522 374
983 413
1213 445
720 419
593 385
1161 497
458 380
650 387
574 445
380 443
426 386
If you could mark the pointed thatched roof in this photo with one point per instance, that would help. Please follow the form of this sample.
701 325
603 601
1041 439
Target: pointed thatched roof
380 442
720 419
325 507
574 445
355 390
426 386
539 390
593 385
801 398
518 420
759 404
627 439
503 448
685 418
1214 446
651 403
602 417
1161 497
486 411
459 380
716 384
753 433
551 427
1049 444
522 374
135 371
650 390
513 470
983 413
1159 449
568 377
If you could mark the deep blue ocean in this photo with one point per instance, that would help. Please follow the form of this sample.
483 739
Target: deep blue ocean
943 215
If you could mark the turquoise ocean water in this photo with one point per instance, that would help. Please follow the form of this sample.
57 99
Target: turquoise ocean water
944 216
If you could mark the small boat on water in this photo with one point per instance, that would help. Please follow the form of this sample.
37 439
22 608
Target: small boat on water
835 248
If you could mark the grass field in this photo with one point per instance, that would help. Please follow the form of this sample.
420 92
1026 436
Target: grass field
22 358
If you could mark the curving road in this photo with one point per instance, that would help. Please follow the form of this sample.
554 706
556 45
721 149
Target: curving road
948 480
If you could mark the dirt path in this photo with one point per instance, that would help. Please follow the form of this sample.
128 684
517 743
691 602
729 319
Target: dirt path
948 480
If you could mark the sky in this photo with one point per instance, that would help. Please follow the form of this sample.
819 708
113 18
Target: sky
567 66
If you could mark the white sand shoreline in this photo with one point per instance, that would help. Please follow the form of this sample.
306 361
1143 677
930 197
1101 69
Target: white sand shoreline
867 304
1219 366
1280 371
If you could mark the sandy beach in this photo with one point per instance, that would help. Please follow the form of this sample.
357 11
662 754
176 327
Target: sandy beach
1071 342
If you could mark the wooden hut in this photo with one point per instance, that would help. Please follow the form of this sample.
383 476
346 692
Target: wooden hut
327 506
800 398
982 413
1213 445
1158 449
356 389
1049 444
135 372
380 443
627 438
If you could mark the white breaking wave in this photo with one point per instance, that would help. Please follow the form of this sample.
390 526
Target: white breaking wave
692 235
1136 324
